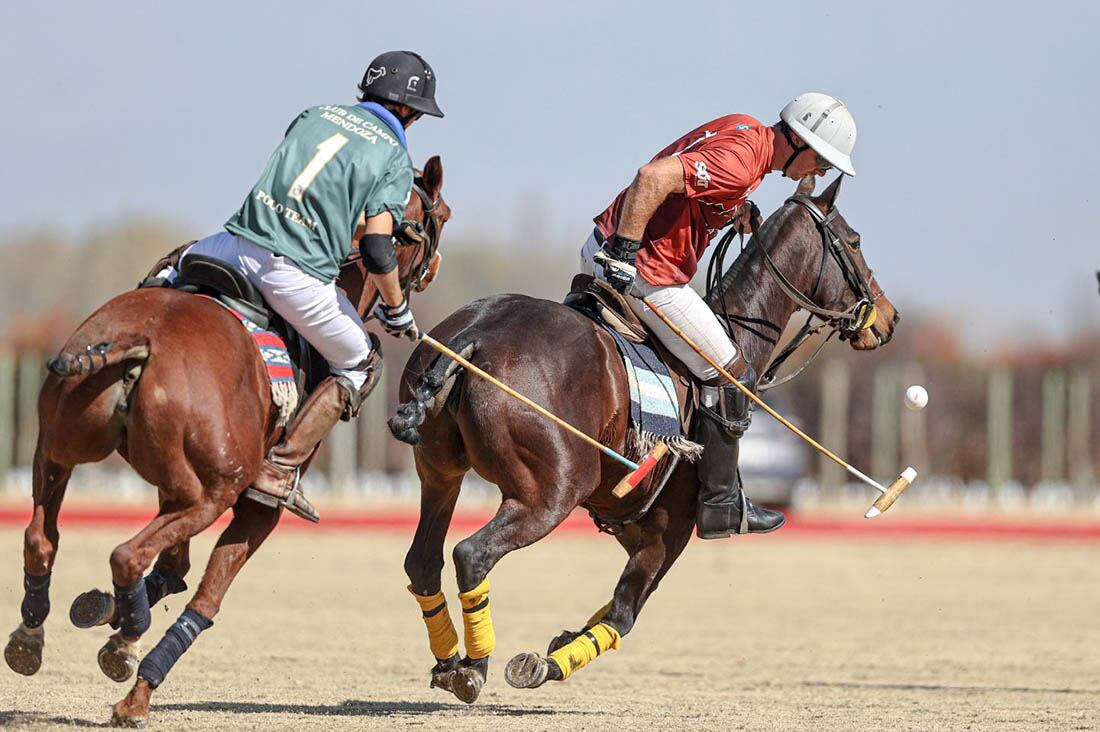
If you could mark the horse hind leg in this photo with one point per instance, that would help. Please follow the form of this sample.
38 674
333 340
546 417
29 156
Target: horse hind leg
23 653
252 523
96 607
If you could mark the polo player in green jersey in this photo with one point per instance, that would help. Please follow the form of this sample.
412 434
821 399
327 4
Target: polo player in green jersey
341 173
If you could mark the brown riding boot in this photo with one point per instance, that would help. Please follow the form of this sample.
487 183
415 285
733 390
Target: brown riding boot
277 483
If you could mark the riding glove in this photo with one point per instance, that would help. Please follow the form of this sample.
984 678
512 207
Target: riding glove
617 258
397 320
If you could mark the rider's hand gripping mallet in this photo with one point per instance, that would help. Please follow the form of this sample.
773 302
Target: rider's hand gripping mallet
638 471
889 493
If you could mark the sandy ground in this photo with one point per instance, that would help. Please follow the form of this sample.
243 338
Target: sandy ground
768 633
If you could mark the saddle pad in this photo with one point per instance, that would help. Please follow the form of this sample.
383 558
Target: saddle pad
654 412
284 389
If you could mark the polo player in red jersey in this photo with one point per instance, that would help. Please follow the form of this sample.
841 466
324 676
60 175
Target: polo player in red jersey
648 243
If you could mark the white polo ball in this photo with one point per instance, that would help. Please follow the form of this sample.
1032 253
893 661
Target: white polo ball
916 397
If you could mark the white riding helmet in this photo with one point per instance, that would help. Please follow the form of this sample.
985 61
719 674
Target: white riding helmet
826 125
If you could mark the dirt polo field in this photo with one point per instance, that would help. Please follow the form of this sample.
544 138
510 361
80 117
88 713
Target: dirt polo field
795 631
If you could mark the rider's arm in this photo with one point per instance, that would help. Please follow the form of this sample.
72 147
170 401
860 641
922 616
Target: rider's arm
654 183
388 282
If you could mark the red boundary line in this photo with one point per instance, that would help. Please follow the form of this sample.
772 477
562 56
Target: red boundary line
405 520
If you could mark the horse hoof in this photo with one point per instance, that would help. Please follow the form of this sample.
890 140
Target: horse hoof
565 638
466 684
92 608
118 658
527 671
24 650
121 719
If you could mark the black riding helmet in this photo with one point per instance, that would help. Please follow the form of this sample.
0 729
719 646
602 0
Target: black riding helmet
402 77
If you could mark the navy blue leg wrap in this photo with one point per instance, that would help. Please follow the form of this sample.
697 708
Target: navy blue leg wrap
159 661
36 599
133 609
159 585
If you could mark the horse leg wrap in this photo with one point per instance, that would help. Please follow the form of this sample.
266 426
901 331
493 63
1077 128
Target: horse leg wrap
584 649
441 631
159 585
478 622
133 609
156 665
36 599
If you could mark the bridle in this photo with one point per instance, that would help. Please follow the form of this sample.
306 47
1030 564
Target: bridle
845 323
423 234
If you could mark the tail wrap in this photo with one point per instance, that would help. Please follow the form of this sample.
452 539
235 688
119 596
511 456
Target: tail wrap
96 358
427 396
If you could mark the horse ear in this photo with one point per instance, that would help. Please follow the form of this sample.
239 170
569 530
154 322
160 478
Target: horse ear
806 186
827 199
433 176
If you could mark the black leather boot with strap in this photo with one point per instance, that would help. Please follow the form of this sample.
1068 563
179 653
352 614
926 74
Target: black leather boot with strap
278 483
724 509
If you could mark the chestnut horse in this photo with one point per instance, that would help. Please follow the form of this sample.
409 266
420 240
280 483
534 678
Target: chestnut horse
183 395
562 360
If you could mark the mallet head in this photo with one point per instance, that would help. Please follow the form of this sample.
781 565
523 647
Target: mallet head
892 492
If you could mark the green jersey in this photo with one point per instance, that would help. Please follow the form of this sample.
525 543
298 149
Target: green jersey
334 163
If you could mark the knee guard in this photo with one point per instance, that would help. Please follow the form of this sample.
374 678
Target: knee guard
732 410
372 366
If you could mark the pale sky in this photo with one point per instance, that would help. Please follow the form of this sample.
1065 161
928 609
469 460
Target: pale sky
976 155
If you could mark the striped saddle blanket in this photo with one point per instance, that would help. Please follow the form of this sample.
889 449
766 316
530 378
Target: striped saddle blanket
280 368
654 409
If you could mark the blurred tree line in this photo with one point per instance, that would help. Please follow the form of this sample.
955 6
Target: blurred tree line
50 283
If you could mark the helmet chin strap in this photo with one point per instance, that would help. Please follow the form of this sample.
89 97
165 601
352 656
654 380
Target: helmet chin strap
795 149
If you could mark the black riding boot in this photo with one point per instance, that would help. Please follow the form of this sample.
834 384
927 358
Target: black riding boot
724 508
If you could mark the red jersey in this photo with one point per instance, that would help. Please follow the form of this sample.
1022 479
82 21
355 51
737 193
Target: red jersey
724 161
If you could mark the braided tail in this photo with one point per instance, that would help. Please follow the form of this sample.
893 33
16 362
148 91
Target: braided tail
429 394
98 357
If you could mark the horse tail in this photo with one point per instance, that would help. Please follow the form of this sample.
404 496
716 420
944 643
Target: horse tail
430 392
98 357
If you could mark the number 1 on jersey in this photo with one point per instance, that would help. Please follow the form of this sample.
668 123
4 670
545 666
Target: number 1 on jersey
326 150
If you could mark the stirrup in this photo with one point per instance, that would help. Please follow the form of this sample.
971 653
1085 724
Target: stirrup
295 501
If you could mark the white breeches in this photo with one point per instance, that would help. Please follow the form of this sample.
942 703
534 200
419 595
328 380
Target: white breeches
317 310
681 305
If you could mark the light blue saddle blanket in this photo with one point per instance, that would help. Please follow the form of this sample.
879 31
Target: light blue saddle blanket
654 409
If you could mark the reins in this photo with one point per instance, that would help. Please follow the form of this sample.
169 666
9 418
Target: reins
844 322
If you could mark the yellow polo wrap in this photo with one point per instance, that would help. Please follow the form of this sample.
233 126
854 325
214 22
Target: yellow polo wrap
477 621
584 649
441 631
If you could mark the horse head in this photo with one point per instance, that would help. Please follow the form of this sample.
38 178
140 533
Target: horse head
417 236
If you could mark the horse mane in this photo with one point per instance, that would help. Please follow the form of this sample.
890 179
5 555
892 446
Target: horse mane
729 278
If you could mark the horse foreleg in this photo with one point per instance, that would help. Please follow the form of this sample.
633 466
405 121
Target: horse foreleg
23 652
653 547
252 523
424 566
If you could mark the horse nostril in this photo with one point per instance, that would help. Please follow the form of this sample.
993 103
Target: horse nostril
897 317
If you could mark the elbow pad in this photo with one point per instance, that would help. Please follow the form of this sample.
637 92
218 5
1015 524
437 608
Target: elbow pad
377 250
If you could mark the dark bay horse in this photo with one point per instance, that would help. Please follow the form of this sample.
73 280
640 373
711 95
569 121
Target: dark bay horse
183 395
560 359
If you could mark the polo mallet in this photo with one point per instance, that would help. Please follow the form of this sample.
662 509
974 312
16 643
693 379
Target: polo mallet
889 493
638 471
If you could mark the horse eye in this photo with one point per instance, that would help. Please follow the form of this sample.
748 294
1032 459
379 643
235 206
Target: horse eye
854 243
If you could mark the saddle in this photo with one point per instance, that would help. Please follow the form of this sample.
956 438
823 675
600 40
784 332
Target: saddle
202 275
606 305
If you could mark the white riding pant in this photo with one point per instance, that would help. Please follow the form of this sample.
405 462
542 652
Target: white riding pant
681 305
319 311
